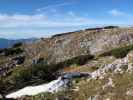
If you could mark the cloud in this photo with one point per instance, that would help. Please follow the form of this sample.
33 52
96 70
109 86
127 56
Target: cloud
53 6
41 20
42 24
39 24
115 12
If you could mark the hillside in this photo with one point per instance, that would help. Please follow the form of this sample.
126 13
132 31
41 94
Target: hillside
90 41
86 51
111 81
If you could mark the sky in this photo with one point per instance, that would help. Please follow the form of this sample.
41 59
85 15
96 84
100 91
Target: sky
43 18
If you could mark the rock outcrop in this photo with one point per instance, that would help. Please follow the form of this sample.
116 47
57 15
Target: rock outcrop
66 46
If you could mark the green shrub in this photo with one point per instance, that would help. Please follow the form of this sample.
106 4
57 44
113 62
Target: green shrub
79 60
1 51
110 27
38 73
43 71
119 52
13 51
17 45
23 75
35 74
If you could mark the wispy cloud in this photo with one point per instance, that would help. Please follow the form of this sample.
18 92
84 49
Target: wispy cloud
53 6
120 13
115 12
37 25
43 24
40 20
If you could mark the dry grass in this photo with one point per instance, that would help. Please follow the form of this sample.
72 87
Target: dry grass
95 87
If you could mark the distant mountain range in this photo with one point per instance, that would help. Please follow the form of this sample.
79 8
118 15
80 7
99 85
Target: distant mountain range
6 43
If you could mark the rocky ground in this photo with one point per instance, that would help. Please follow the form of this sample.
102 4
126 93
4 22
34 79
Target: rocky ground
112 81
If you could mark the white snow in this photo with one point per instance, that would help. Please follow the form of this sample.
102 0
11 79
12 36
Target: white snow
53 86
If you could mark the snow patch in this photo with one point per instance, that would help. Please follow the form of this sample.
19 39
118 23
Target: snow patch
53 86
57 85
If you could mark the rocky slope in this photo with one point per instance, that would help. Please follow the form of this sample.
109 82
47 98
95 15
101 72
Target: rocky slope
66 46
111 81
101 52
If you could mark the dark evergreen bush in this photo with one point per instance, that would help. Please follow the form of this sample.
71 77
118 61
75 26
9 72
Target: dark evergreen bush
110 27
17 45
119 52
39 73
1 51
13 51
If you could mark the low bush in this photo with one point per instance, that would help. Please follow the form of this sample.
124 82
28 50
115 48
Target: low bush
79 60
22 75
13 51
111 27
17 45
119 52
1 51
45 72
38 73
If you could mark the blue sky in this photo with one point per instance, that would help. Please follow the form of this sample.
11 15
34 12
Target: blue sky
42 18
